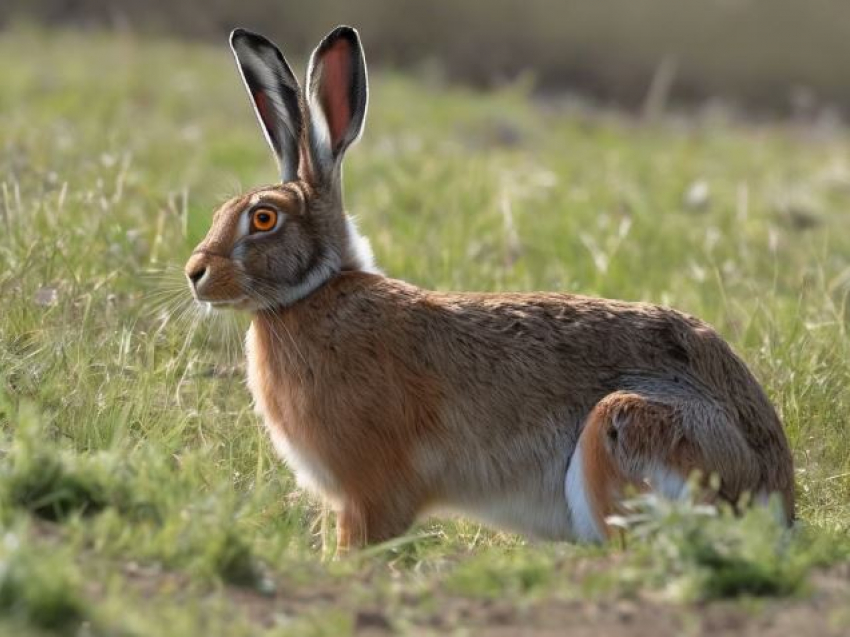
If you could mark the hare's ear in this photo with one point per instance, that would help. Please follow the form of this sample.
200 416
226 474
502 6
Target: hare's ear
337 94
274 92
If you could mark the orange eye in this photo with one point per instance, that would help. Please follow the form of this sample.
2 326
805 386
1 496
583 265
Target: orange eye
263 219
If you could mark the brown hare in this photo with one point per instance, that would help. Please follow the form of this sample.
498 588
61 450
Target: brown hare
534 412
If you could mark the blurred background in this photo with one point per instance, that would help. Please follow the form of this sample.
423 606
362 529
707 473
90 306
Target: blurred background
778 57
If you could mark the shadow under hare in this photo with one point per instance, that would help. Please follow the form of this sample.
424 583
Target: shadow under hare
534 412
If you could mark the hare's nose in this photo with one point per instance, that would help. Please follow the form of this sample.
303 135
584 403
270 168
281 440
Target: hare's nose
196 269
197 274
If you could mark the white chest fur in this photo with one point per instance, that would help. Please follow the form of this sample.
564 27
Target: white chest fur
310 473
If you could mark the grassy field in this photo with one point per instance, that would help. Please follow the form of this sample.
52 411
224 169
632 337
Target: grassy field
138 492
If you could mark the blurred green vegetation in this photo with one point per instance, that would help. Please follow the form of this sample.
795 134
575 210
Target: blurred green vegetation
783 56
138 492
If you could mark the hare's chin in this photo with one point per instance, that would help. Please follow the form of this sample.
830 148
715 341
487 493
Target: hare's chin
239 303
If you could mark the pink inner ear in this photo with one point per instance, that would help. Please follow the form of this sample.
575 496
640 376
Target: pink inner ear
335 87
262 103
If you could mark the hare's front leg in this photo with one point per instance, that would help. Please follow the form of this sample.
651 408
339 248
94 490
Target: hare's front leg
362 523
350 529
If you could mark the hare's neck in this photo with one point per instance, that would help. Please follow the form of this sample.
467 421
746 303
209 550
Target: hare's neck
295 341
356 256
295 353
277 342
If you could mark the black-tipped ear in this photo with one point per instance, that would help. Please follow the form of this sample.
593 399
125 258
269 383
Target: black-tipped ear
274 92
337 96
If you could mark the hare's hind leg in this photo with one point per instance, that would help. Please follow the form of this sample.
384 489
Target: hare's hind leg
596 479
638 442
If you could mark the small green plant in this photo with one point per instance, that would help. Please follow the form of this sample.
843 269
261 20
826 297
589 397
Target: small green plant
497 573
226 554
44 484
38 587
700 552
52 484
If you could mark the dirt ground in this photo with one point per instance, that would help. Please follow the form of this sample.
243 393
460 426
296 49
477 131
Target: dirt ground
823 611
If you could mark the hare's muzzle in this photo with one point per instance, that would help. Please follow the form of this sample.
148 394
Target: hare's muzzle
212 279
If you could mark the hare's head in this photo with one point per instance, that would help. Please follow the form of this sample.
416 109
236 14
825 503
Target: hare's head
274 245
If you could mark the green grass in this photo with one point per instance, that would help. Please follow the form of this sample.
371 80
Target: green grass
139 493
39 590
